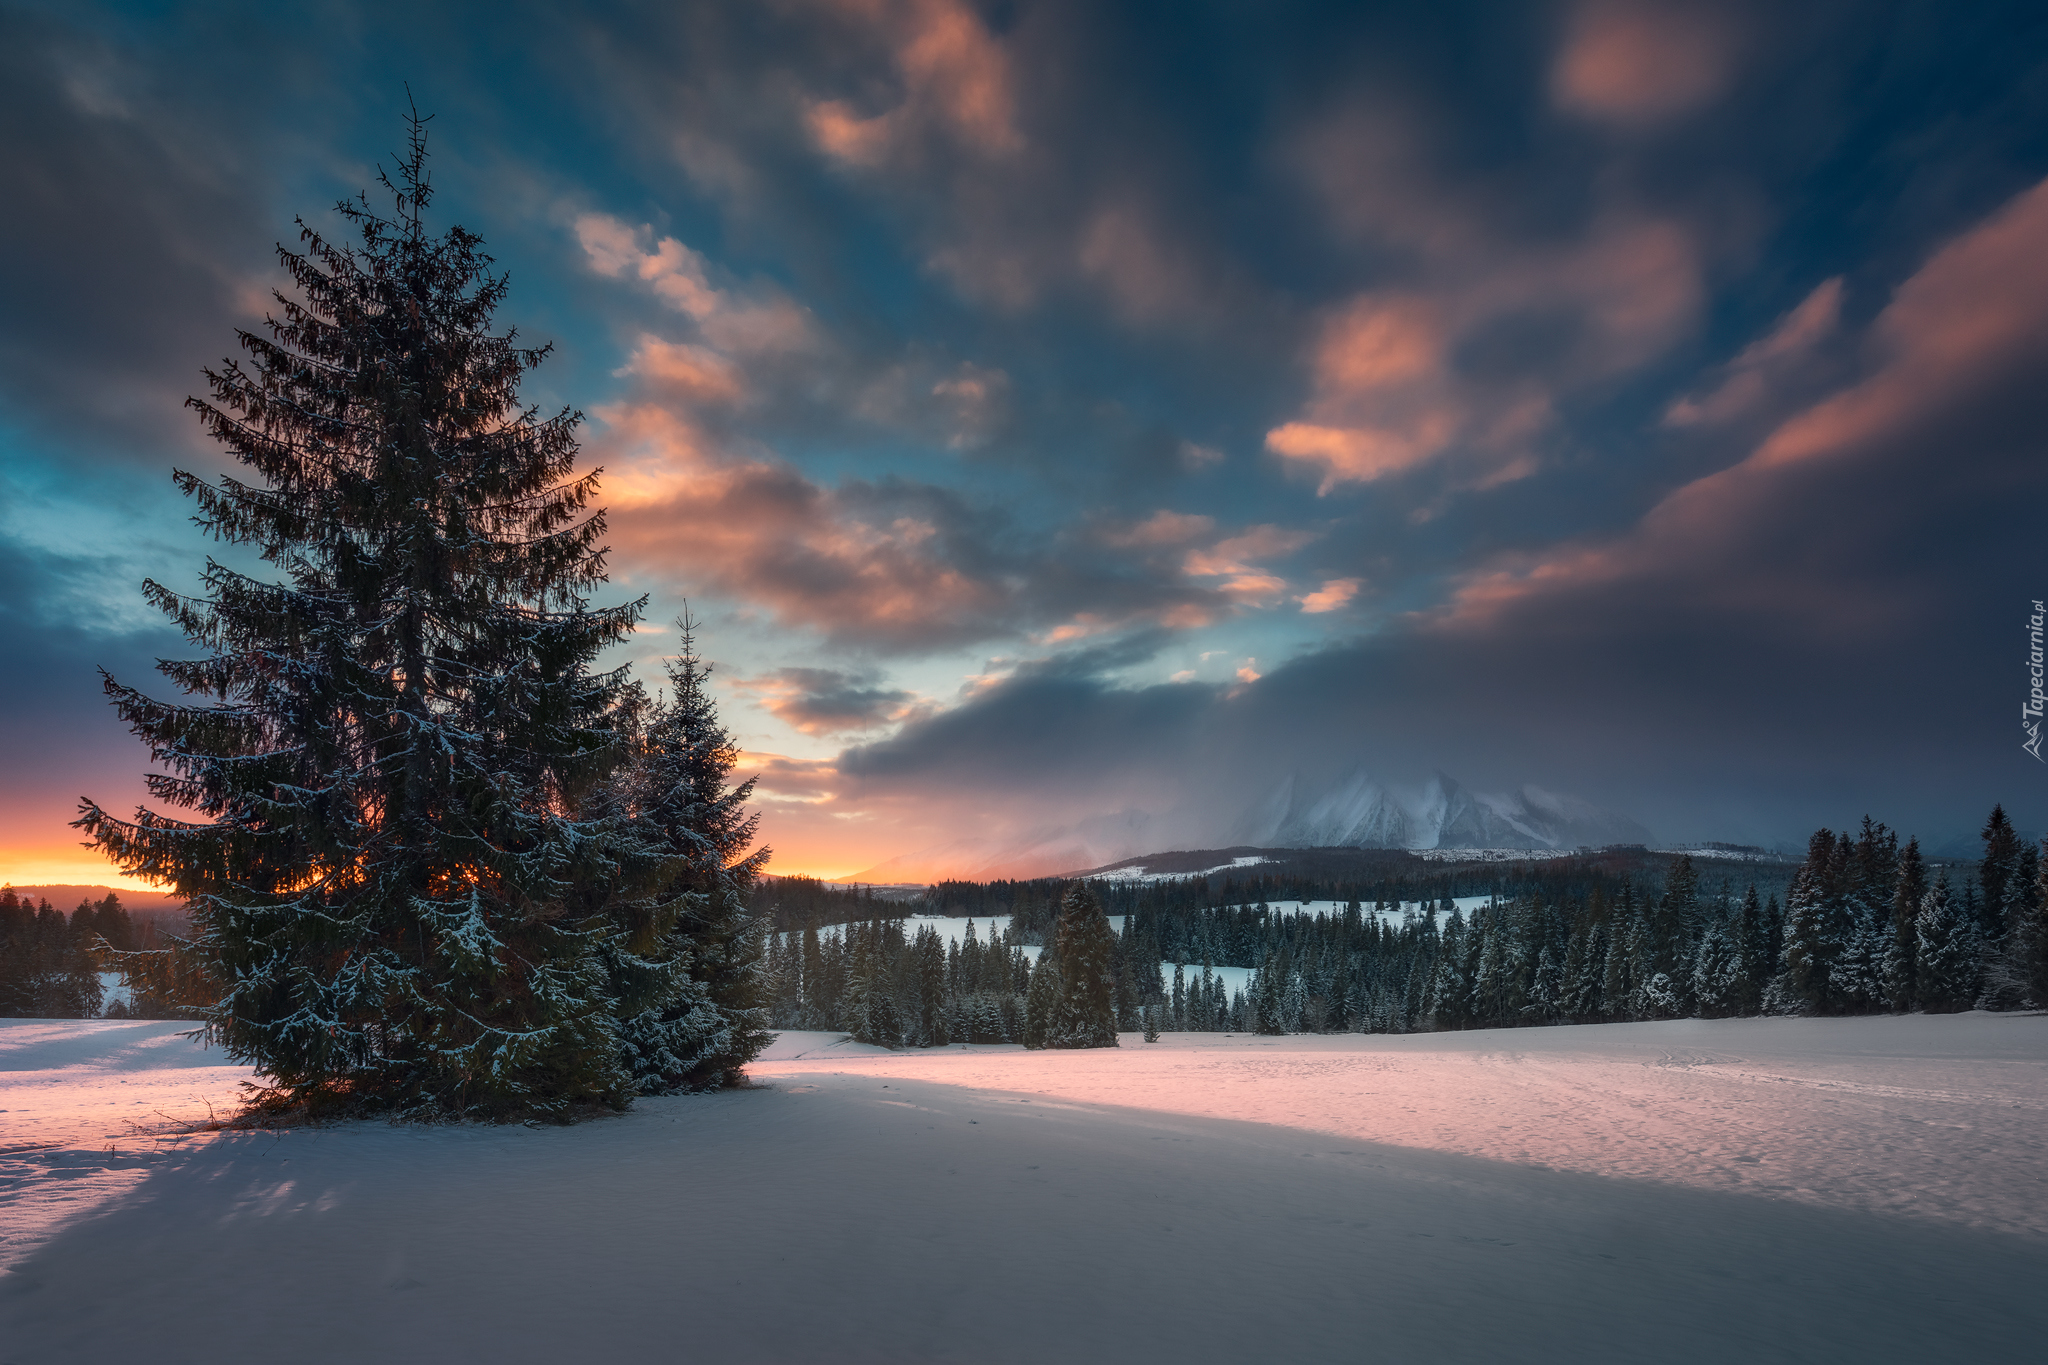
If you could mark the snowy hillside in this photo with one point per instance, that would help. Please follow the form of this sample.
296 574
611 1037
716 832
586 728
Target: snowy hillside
1866 1190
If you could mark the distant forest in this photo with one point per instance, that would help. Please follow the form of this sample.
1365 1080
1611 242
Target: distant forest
1863 925
50 962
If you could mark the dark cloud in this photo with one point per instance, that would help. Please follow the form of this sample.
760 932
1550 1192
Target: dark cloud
1832 629
828 701
134 229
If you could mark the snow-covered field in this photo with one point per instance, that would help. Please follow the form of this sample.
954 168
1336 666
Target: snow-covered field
1780 1190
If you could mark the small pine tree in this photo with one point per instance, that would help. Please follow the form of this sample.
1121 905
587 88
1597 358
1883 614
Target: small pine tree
1085 946
2030 937
1717 974
1759 957
711 1020
1041 1000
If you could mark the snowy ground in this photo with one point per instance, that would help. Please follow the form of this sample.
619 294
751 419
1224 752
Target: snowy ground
1779 1190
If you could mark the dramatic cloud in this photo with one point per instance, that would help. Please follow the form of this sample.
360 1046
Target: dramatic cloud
1961 339
1094 423
1468 357
136 234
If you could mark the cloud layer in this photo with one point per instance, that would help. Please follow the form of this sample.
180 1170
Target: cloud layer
1064 423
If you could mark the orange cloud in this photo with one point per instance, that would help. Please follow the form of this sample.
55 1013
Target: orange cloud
1163 527
1335 593
825 701
1236 554
680 277
1358 454
1388 398
1146 274
777 777
1750 374
1636 61
1974 316
693 373
955 81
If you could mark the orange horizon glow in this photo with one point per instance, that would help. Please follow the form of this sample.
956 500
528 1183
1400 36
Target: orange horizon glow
33 867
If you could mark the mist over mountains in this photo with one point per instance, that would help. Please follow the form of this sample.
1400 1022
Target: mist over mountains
1357 810
1360 811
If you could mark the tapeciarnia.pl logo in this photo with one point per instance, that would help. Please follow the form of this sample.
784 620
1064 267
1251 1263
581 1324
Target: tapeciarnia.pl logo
2030 714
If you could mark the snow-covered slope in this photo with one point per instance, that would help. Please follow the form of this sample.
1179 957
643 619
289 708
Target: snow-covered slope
1865 1190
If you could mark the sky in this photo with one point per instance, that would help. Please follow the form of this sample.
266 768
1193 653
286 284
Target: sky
1069 421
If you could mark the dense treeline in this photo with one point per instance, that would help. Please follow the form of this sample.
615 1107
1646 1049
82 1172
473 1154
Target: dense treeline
793 904
1385 877
51 964
1866 926
919 990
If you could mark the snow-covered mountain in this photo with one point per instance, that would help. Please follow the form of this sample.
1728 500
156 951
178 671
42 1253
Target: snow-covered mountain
1357 811
1361 811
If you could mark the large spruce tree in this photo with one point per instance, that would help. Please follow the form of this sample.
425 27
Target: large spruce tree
396 899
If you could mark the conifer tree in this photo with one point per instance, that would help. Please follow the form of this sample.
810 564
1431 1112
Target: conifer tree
2008 970
1758 954
1909 888
1085 946
1448 989
1947 978
1996 873
393 897
703 1026
1041 1000
2030 936
1717 974
1816 926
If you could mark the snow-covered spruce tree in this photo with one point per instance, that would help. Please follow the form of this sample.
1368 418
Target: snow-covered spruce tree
2029 936
1909 887
680 799
393 898
1717 977
1084 1015
1041 1000
1817 926
1949 952
2008 983
1996 873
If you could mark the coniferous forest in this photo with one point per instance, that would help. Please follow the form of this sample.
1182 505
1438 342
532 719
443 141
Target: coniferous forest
1864 927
